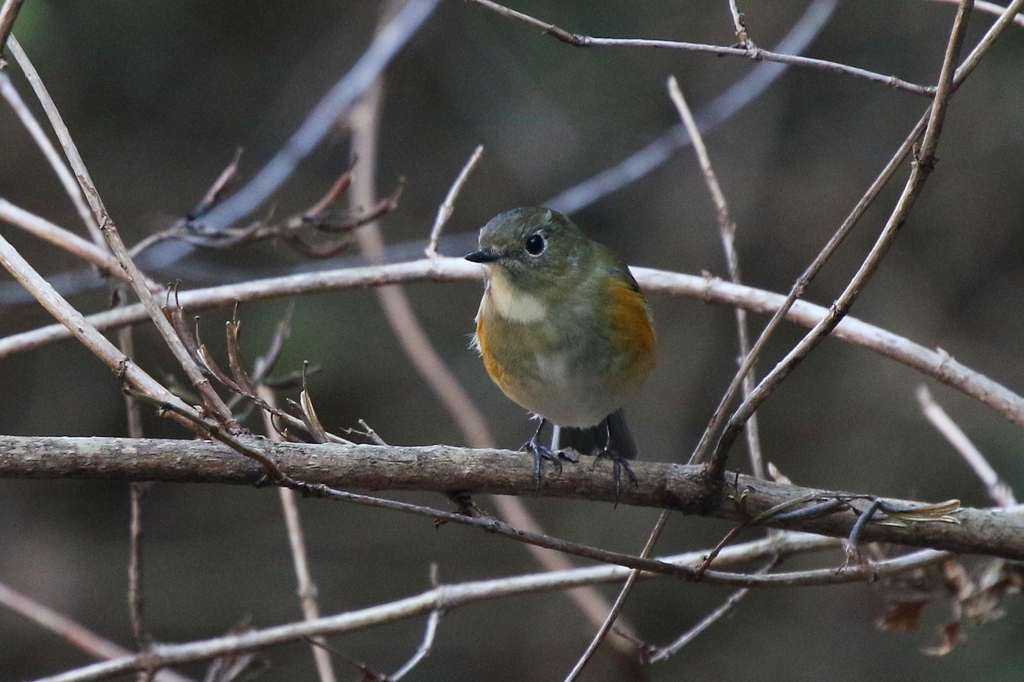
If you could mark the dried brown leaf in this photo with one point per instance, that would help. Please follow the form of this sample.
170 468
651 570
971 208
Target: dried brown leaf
309 418
901 616
951 637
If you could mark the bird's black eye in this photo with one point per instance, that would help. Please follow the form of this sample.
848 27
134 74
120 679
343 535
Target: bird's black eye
535 244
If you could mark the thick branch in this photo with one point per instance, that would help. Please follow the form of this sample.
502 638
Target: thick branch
447 469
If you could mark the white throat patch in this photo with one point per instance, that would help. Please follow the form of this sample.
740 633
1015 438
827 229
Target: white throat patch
513 303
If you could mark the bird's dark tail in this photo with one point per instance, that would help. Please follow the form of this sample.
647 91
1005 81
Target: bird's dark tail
611 435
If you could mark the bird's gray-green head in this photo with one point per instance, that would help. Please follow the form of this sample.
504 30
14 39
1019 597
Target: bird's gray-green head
536 248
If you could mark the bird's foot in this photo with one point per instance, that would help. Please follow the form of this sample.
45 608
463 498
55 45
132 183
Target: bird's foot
619 464
541 452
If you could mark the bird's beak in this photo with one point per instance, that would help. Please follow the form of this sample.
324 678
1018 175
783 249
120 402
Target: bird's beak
483 256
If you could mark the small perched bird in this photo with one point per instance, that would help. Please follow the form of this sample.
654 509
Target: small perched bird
564 332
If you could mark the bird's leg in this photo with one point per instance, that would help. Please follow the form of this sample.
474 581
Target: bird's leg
540 451
619 461
567 454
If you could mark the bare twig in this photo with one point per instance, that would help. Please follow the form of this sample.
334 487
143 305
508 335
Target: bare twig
752 52
785 544
666 652
67 144
934 363
317 220
297 544
216 191
740 25
123 366
8 13
998 490
727 232
445 596
28 120
593 604
213 402
136 603
395 304
620 601
58 236
800 285
377 56
106 226
71 631
424 648
737 96
798 288
921 169
983 46
444 212
989 8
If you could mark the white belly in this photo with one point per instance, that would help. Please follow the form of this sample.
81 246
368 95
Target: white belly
573 397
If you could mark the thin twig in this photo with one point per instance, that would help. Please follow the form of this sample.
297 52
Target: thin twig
136 602
934 363
664 653
727 232
67 144
983 46
297 544
800 285
394 302
74 321
990 8
71 631
136 610
121 365
424 648
106 226
445 596
1000 492
322 119
620 600
754 53
740 25
444 212
920 171
858 211
723 107
212 402
28 120
8 13
64 239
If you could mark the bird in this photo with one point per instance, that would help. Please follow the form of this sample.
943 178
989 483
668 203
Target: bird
565 332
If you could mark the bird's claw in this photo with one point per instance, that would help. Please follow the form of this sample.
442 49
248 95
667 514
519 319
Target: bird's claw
541 452
619 464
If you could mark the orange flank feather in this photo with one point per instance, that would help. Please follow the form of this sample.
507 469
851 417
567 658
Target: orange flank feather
493 367
631 329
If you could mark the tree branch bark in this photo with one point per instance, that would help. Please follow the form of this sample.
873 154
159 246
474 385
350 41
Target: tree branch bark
446 469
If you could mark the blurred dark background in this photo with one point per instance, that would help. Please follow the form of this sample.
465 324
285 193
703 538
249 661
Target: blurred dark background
159 95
